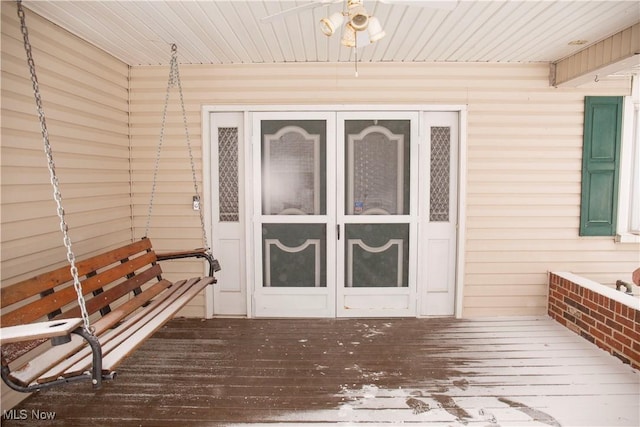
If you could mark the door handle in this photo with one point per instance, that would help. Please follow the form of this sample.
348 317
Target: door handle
338 229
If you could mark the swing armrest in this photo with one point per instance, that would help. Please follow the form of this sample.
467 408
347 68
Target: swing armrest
181 254
56 330
40 330
214 265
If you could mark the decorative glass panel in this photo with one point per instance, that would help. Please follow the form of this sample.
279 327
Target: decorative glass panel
294 255
377 255
293 168
440 173
228 174
377 167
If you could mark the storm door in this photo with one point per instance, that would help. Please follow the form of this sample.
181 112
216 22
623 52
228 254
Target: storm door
294 204
376 214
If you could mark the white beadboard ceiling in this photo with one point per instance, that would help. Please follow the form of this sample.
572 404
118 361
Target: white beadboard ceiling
229 32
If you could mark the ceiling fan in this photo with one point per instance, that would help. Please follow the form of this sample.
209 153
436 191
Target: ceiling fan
356 18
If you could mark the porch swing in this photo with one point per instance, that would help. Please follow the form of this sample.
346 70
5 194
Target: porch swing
100 309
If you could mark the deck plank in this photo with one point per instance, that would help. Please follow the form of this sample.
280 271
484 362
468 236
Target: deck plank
235 372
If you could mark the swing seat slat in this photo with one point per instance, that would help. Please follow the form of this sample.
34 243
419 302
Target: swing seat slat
126 298
120 342
76 349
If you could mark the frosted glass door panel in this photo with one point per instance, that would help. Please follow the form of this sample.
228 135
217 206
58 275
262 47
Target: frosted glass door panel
293 167
377 167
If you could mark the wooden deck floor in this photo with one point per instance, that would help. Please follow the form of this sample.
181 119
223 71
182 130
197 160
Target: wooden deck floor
504 372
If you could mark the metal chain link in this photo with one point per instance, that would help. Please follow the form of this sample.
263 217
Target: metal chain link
170 83
52 169
174 80
193 165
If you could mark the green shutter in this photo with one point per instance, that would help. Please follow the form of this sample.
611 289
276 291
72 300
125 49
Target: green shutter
600 165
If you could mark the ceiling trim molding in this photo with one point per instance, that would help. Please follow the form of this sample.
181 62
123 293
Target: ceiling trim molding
616 53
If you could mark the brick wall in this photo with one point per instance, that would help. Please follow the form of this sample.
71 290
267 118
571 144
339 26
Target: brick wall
606 317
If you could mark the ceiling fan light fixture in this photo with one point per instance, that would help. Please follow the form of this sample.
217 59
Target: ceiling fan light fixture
375 30
349 36
330 24
358 15
359 20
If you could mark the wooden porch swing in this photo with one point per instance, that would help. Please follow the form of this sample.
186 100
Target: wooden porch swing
100 309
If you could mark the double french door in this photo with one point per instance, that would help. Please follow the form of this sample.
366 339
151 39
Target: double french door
337 213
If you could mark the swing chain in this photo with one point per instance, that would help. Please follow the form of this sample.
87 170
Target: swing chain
52 170
174 80
156 168
186 132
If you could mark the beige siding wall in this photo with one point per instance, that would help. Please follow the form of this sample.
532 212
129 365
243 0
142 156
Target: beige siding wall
524 161
85 97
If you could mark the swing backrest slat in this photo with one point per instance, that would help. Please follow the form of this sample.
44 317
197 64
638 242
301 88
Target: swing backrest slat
36 285
104 299
106 278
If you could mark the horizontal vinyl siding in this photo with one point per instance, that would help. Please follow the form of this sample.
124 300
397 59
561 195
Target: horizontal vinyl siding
85 98
523 151
523 201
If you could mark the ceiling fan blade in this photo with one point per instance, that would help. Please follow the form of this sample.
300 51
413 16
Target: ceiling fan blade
433 4
296 9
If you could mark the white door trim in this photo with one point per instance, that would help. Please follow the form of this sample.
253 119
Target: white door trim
462 213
